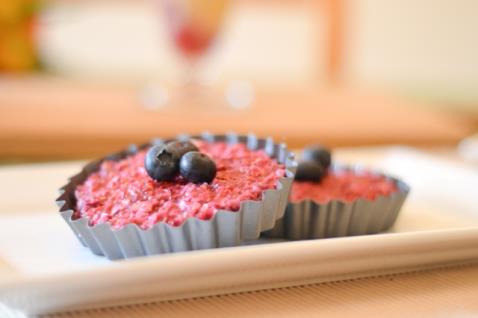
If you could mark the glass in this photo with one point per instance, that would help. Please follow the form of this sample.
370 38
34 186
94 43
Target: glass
193 26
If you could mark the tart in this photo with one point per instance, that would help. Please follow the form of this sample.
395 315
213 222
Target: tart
117 209
332 200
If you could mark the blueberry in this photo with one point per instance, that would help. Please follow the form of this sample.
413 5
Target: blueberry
309 171
161 163
197 167
182 147
318 154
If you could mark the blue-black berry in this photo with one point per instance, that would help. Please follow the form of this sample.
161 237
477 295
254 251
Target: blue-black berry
161 163
182 147
197 167
309 171
318 154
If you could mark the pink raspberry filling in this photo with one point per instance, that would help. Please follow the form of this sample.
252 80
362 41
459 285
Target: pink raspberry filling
344 185
122 193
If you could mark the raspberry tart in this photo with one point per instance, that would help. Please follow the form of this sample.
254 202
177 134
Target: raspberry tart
178 195
331 200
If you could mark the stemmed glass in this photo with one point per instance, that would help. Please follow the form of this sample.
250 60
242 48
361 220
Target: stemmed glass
193 26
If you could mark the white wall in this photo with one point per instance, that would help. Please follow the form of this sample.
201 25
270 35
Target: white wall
128 39
424 47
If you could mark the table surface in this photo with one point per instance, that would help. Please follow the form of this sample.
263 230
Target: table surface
46 117
446 292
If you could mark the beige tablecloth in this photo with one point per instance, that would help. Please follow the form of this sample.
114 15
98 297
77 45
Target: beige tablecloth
448 292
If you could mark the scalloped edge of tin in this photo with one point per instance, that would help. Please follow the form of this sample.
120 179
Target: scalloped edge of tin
309 219
224 229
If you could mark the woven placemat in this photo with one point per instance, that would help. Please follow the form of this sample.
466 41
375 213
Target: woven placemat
448 292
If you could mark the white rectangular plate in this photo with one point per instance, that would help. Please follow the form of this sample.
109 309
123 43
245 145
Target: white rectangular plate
43 268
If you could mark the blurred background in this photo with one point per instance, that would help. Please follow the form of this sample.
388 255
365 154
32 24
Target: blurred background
79 79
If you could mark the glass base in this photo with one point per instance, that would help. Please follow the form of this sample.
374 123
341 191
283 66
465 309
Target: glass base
236 95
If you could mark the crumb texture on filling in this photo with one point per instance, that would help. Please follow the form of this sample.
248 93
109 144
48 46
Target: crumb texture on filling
121 192
345 185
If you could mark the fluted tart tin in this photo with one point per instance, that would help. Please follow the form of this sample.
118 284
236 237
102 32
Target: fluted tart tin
309 219
224 229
